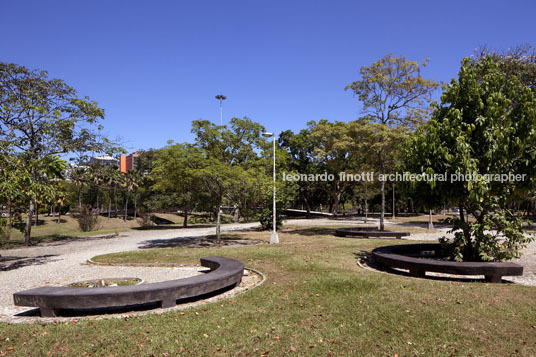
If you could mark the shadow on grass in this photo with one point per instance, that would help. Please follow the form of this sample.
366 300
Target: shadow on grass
198 242
171 226
8 263
311 231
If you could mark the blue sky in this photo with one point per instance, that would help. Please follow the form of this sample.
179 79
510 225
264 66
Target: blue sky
155 66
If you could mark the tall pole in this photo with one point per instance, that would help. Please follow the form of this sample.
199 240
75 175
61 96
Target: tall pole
221 113
221 98
274 239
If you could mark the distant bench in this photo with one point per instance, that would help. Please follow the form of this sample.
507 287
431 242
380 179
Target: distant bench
413 258
361 232
224 273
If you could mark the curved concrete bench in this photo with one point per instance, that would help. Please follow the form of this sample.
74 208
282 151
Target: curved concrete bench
224 273
373 232
413 258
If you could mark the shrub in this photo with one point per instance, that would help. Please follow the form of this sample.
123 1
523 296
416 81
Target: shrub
88 218
266 219
146 218
5 229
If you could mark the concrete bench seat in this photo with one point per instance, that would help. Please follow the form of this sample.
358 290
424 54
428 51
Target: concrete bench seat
225 273
413 257
359 232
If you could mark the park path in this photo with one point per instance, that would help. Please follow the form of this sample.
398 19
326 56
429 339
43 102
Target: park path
64 261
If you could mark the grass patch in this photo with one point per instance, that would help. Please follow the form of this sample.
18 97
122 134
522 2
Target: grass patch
316 301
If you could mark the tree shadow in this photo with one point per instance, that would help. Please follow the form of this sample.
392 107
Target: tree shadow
8 263
310 231
168 227
198 242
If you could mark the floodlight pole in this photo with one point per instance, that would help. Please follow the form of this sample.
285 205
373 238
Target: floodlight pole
221 98
274 238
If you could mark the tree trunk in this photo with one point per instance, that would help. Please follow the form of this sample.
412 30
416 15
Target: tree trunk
366 204
28 232
335 199
468 249
80 197
185 221
218 235
36 214
430 221
110 205
115 198
382 214
126 207
236 215
135 207
394 202
307 205
59 215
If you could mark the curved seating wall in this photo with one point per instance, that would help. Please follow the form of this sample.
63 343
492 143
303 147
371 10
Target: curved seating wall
224 273
413 258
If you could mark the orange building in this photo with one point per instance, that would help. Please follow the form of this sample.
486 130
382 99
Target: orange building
128 162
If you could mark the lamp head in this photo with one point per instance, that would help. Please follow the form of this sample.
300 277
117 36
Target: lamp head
267 135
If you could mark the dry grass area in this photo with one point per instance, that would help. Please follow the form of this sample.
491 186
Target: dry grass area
49 229
316 301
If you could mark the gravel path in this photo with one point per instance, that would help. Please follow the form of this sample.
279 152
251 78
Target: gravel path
62 262
58 263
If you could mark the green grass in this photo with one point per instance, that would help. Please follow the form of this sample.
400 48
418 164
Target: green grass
316 301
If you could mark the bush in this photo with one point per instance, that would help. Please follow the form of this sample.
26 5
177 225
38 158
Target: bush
5 229
266 219
88 218
146 218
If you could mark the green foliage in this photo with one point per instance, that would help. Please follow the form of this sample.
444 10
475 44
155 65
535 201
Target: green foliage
395 100
5 229
486 124
42 118
88 218
267 221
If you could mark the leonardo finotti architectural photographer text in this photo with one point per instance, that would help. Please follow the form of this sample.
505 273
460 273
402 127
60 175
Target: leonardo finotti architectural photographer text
402 177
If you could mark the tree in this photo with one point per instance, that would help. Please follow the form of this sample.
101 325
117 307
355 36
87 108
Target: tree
519 61
485 125
395 97
174 173
226 152
334 152
42 118
300 150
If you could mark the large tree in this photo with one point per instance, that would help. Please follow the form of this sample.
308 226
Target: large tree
485 125
395 98
42 118
228 152
174 174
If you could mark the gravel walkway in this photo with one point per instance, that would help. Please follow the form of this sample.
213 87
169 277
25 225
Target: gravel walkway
58 263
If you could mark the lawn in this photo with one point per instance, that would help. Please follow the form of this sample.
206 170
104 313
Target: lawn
316 301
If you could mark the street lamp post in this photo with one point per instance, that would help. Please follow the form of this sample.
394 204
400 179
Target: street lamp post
221 98
274 238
